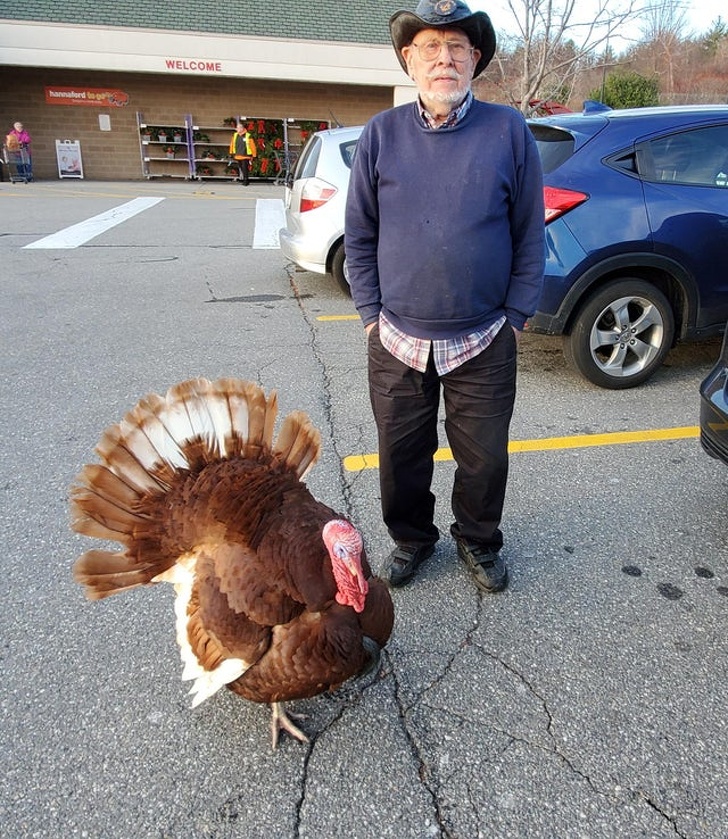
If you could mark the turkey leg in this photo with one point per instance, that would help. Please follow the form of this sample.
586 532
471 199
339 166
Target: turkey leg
281 721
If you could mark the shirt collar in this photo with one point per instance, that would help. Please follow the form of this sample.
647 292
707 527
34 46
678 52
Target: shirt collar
453 118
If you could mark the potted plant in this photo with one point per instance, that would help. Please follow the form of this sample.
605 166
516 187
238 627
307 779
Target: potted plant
177 136
146 135
162 135
230 121
169 151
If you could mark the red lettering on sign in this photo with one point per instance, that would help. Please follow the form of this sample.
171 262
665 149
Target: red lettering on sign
194 65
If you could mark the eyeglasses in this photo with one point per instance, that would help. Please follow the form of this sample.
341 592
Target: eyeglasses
431 50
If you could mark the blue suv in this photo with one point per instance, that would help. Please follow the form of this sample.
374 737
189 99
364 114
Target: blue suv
637 235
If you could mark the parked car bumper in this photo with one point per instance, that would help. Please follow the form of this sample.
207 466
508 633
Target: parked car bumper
714 407
295 250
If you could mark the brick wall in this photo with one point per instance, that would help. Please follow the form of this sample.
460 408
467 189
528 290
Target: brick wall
163 99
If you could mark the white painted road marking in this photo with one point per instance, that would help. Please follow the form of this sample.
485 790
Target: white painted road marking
269 218
79 234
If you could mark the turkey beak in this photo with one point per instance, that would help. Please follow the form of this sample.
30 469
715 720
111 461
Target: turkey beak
351 568
356 574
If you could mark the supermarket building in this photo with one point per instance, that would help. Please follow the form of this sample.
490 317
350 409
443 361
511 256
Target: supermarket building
115 75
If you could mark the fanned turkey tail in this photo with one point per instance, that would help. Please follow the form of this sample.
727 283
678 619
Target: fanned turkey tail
160 440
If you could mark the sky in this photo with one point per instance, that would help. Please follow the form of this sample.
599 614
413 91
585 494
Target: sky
699 15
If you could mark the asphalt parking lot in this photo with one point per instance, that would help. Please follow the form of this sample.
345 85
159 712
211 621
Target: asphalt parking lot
588 700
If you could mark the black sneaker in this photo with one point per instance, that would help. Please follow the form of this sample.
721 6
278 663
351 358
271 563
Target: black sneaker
486 565
405 560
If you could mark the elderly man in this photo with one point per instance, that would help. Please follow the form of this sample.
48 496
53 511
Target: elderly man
445 255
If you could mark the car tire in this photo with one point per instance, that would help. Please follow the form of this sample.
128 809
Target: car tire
621 334
338 268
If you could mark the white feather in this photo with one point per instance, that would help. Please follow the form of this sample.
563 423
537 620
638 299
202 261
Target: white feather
136 441
176 420
183 578
240 414
200 420
212 680
220 416
207 682
163 442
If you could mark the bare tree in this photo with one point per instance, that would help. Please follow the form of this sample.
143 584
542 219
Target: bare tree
666 28
554 41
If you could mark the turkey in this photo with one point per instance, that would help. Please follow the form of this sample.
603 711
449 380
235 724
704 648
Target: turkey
275 598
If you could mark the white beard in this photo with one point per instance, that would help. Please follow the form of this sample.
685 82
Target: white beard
447 98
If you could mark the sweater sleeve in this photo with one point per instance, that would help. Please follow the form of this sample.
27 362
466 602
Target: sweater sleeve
361 226
528 235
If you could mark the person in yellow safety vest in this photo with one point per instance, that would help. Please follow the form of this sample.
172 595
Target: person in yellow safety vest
243 150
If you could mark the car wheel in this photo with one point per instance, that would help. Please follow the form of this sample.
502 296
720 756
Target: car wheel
621 334
338 268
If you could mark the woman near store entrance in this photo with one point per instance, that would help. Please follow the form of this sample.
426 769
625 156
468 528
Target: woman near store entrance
243 150
17 143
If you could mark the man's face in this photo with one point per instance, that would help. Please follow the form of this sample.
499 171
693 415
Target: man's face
441 62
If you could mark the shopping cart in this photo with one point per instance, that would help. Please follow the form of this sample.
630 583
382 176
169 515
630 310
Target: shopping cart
18 164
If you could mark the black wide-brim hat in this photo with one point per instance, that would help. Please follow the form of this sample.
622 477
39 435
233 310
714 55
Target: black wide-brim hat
404 25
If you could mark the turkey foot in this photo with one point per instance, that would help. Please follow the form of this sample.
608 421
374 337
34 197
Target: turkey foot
281 721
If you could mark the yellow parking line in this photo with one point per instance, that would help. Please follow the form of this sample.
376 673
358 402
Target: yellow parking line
356 463
359 462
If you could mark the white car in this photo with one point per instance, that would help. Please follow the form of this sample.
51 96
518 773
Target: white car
313 237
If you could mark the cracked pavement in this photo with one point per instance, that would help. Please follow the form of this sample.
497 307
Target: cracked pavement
588 700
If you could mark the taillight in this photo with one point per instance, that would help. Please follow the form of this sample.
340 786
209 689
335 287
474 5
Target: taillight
315 194
560 201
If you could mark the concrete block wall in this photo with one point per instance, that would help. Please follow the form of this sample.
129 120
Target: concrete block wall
164 100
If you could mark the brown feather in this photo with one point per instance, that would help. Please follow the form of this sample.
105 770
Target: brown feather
377 619
105 483
90 504
104 573
298 443
317 652
215 630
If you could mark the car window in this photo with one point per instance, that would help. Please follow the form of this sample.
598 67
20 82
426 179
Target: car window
347 150
308 161
698 157
555 146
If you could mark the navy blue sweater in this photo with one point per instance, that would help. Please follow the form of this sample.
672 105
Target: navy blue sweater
445 228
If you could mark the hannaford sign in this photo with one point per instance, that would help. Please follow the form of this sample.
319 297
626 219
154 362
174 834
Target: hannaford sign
96 96
198 66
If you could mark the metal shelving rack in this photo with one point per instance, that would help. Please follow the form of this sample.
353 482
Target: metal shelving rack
157 162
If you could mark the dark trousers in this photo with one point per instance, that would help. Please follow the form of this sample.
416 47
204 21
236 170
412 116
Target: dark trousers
244 170
478 398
